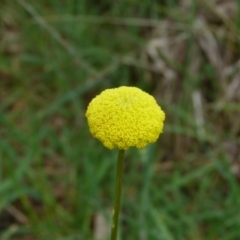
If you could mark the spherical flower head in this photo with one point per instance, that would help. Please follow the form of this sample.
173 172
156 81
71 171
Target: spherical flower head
125 117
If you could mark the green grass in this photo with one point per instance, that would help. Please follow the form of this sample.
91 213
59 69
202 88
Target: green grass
55 178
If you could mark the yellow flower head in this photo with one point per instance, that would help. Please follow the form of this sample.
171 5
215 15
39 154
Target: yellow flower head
125 117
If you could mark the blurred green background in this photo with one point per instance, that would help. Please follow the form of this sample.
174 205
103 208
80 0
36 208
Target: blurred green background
56 181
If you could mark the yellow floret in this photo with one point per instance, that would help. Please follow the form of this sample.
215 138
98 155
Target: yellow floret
125 117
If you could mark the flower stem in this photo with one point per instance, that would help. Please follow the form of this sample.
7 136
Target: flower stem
118 190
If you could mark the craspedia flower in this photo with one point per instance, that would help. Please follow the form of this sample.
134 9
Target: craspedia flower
125 117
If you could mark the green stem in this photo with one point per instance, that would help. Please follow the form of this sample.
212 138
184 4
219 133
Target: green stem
118 190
